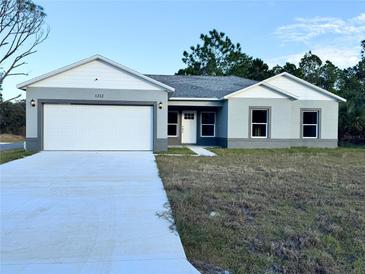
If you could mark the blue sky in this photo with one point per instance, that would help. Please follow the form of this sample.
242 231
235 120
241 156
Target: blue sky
150 36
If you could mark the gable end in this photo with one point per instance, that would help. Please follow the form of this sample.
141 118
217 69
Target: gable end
289 86
96 72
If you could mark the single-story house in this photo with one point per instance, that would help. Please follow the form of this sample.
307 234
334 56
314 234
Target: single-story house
98 104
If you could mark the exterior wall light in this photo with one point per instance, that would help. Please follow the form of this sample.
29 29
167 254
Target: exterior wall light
32 103
160 105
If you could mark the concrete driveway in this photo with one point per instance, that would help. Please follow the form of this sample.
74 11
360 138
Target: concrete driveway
87 212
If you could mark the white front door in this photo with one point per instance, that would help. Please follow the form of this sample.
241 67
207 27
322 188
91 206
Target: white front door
188 127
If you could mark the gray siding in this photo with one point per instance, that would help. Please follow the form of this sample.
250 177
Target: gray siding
222 121
279 143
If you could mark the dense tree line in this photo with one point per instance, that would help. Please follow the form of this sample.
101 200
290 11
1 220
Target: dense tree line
12 116
218 55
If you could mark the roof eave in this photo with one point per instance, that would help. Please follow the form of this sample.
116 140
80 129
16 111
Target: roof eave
326 92
194 99
265 84
281 91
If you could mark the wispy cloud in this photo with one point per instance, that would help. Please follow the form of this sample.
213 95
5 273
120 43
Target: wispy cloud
307 29
331 38
342 57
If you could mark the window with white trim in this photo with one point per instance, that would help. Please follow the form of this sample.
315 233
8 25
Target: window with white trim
310 124
259 123
207 121
172 124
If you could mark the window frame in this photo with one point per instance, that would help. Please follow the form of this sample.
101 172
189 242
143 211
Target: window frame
268 122
318 111
201 124
177 124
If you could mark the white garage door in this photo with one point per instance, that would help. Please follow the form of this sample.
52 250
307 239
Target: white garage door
97 127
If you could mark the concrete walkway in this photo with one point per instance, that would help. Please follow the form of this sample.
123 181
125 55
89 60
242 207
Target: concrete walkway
87 212
201 151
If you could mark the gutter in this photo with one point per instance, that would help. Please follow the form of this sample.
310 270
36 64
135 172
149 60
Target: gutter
193 99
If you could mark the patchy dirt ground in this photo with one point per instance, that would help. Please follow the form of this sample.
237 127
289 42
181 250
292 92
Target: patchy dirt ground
11 138
270 211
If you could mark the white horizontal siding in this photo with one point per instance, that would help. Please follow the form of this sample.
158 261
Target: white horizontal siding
259 92
108 77
300 90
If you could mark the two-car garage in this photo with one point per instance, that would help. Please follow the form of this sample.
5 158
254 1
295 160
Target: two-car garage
97 127
96 104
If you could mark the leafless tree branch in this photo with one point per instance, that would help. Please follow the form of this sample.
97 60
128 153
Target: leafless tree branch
22 29
19 73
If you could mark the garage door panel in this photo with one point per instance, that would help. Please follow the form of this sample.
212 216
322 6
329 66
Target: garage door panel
97 127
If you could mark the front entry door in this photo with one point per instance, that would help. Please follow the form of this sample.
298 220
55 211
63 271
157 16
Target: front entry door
188 127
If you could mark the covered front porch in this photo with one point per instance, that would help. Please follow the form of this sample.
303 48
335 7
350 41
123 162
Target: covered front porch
196 124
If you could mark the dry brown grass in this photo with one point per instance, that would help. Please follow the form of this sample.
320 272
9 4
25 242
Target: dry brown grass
11 138
276 211
178 151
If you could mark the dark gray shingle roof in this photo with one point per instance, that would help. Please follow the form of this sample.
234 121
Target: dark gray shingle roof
203 86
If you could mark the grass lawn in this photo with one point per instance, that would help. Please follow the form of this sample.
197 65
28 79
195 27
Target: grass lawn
270 211
178 150
10 155
11 138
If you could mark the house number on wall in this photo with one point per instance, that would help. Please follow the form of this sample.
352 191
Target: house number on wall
99 95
